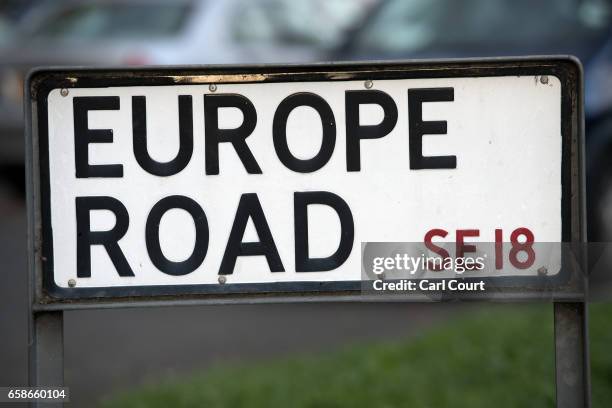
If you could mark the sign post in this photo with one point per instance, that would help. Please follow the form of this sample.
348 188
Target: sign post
572 370
210 185
46 352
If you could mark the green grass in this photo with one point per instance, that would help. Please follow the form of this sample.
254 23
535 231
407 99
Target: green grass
502 357
601 354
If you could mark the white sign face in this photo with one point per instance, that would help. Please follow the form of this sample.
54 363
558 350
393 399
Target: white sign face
281 182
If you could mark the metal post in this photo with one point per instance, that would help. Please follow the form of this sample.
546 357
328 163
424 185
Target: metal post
572 370
46 352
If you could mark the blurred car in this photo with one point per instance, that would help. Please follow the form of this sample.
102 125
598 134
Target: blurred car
6 30
399 29
137 32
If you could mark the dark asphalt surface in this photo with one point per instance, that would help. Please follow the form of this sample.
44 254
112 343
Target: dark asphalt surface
107 351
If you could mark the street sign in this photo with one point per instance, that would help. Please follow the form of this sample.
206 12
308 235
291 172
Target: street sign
250 181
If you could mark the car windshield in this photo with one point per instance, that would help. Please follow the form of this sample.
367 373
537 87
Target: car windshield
112 20
318 23
414 26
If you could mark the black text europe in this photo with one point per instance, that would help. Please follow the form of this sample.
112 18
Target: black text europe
248 206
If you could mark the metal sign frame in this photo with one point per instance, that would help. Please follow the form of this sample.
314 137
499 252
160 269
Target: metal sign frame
46 309
42 81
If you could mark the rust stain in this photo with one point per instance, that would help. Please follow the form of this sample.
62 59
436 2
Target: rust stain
207 79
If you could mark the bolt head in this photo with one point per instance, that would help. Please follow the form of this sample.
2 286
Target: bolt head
368 84
544 79
212 87
542 271
64 92
222 279
71 283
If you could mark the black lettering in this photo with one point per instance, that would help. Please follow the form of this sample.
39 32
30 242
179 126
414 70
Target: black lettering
279 132
417 128
152 235
83 136
249 207
139 127
303 262
109 239
355 132
237 137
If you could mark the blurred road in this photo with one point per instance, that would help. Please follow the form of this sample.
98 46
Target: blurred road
112 350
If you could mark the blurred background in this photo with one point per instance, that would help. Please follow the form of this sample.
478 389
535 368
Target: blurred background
109 354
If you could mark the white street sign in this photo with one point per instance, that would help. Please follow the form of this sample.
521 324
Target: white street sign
259 182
